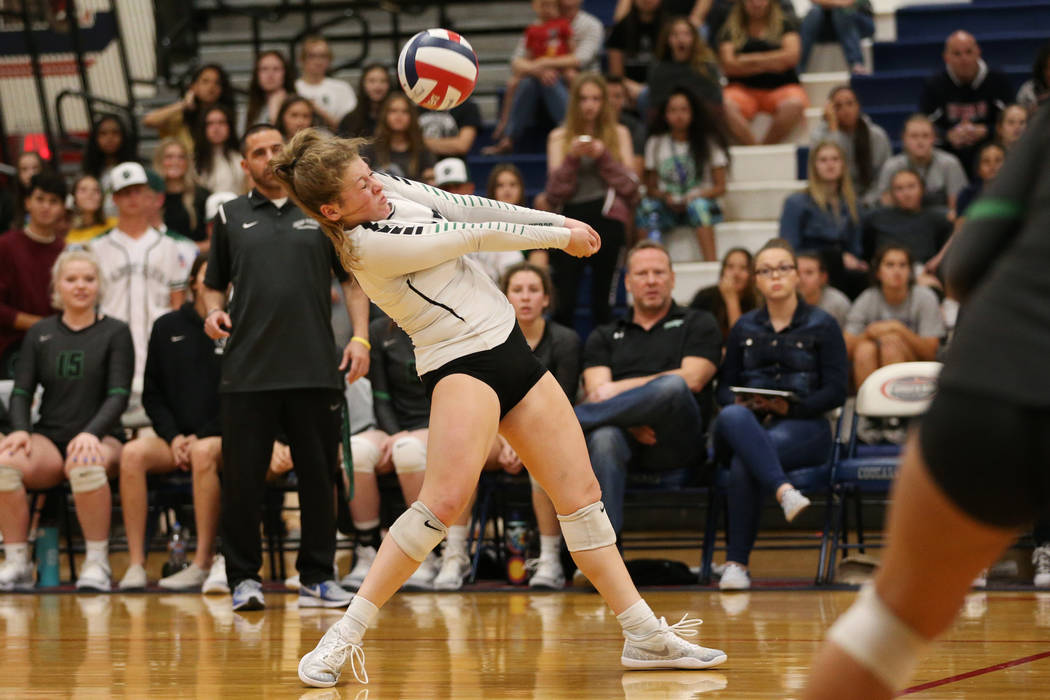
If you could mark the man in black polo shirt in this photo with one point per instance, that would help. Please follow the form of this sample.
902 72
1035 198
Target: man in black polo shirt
280 371
647 382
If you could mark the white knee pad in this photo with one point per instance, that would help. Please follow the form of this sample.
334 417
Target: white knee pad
10 479
417 531
365 454
87 478
587 528
409 455
879 640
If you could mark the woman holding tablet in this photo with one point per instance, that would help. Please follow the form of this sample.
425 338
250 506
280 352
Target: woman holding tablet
797 351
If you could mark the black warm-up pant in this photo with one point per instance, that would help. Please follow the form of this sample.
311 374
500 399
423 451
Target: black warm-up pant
309 418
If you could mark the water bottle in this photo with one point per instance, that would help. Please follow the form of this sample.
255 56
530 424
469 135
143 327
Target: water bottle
654 233
176 552
516 545
47 556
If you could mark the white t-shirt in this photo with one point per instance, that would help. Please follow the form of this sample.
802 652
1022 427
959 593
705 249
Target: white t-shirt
414 266
674 164
226 174
140 274
335 97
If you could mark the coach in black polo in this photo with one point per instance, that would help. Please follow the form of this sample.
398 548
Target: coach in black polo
280 370
647 378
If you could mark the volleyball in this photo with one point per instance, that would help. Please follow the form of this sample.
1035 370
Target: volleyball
437 69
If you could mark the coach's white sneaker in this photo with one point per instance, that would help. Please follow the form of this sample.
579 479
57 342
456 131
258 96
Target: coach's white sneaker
322 666
665 648
734 578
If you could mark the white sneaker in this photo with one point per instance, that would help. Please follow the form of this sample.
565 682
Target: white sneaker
422 579
94 576
734 578
189 578
363 558
455 569
134 579
547 574
1041 562
15 576
665 648
216 581
292 582
982 579
321 667
793 503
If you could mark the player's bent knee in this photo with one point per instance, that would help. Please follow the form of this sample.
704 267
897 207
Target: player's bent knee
409 455
365 454
879 640
87 478
10 479
417 531
587 528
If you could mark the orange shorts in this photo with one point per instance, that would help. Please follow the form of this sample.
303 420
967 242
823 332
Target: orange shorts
751 101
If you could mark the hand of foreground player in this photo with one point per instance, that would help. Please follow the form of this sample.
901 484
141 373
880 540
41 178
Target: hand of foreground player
584 241
217 324
15 441
85 448
357 358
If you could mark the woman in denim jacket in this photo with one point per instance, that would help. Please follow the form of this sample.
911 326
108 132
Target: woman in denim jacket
787 345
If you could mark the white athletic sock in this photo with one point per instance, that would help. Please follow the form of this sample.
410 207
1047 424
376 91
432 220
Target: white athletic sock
97 550
358 617
456 539
550 546
639 620
363 525
17 552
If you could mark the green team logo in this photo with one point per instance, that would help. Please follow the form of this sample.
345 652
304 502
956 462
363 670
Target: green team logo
71 364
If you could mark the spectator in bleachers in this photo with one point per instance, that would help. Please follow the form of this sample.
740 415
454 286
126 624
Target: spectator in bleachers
217 156
181 397
1011 125
110 143
89 220
964 99
143 272
694 9
616 92
787 345
332 98
631 46
1037 88
507 184
84 362
209 85
894 320
28 164
686 159
907 223
683 60
587 156
990 160
814 288
26 257
372 90
825 218
715 15
759 51
184 199
943 176
398 146
735 293
272 81
647 381
188 248
295 114
865 143
587 35
847 21
451 132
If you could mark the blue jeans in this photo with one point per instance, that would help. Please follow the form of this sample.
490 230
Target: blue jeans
667 406
527 97
760 457
847 24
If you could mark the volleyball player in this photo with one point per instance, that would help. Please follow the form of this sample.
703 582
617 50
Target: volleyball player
404 242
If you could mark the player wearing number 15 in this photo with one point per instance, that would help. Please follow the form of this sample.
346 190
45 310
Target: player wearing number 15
84 362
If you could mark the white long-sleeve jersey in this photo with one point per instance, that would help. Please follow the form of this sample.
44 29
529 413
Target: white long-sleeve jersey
410 265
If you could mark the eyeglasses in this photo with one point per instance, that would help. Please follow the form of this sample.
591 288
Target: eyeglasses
770 271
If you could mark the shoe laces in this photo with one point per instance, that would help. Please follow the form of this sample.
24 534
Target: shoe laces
340 651
684 627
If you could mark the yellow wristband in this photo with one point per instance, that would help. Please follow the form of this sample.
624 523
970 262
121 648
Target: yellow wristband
361 340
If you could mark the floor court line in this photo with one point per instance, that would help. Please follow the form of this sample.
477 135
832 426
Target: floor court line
975 673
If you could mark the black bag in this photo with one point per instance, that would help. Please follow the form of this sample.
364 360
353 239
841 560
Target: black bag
660 572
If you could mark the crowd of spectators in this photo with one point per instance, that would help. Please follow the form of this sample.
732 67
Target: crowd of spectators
854 272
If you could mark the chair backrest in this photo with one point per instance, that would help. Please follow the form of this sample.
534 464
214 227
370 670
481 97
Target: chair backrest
900 390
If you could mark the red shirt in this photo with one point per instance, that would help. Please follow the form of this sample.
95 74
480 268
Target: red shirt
25 278
551 38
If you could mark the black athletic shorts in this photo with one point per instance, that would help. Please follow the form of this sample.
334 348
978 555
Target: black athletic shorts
509 368
991 457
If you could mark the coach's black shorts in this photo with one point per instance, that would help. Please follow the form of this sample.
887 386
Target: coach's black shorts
990 456
509 368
